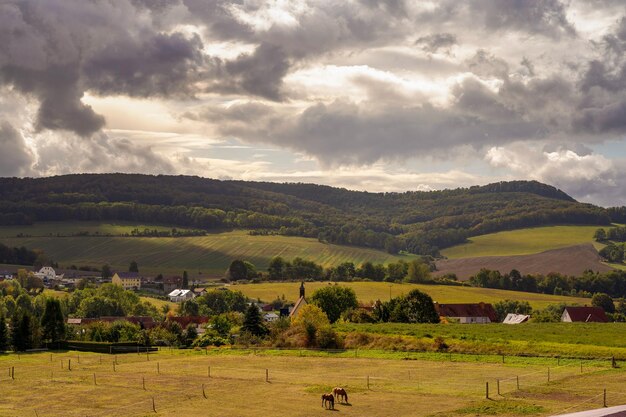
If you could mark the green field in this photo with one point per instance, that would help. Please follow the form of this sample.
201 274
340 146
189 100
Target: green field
372 291
208 256
233 383
523 241
73 228
591 340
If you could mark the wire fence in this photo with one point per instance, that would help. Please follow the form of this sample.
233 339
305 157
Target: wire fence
158 379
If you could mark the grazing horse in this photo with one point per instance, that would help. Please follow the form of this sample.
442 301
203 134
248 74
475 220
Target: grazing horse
340 394
328 399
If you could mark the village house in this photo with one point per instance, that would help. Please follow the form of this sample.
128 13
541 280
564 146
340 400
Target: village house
584 315
467 313
47 273
127 280
179 295
513 318
199 291
270 317
171 283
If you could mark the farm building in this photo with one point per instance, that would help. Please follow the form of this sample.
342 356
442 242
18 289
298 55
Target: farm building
513 318
467 313
179 295
127 280
199 291
299 304
47 273
584 315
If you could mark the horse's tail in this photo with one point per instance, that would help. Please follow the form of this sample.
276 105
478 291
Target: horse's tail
345 393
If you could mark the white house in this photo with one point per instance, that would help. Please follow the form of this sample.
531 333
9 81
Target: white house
512 318
270 317
47 273
179 295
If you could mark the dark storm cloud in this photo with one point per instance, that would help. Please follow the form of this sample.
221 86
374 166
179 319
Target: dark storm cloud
57 50
162 65
545 17
437 41
260 73
15 158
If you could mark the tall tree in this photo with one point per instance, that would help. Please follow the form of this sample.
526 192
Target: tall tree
52 321
253 322
21 333
133 267
106 272
185 280
4 336
238 270
334 300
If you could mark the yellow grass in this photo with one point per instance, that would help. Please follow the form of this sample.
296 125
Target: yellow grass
45 386
523 241
372 291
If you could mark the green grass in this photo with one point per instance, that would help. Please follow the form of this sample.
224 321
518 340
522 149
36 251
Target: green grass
372 291
203 255
72 228
523 241
237 386
599 341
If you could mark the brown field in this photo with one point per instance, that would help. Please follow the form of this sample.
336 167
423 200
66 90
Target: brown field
572 260
237 386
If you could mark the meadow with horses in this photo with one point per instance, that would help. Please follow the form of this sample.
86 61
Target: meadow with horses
252 382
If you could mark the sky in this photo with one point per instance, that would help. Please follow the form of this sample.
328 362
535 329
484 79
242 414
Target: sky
368 95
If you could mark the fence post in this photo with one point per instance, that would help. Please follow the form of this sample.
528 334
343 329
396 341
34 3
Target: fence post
51 357
267 375
548 374
94 379
487 390
502 358
203 392
604 398
209 372
143 382
13 372
78 358
581 367
69 364
61 363
368 382
147 355
113 366
158 369
517 382
498 384
153 405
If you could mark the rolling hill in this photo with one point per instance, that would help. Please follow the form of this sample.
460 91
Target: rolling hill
418 222
202 256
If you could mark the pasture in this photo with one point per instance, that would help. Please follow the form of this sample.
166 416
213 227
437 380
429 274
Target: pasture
588 340
372 291
203 256
523 241
249 383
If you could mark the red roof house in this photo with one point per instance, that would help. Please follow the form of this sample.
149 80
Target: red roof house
584 315
467 313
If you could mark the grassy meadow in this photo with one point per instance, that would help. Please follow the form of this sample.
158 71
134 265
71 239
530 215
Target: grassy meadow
372 291
523 241
574 340
202 256
178 383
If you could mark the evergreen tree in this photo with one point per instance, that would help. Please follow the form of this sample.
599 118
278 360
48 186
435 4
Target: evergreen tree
21 333
185 280
4 336
52 321
253 323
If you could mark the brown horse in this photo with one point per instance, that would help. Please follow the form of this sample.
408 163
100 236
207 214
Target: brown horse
328 399
340 394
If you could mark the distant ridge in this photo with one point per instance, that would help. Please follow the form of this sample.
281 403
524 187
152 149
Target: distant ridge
419 222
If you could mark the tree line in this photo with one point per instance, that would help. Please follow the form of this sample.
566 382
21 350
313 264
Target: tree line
417 222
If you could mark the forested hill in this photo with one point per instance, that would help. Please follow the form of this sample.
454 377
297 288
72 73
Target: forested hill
420 222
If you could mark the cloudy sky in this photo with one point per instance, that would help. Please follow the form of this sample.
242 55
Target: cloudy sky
371 95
